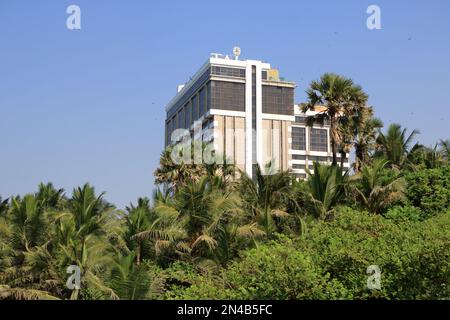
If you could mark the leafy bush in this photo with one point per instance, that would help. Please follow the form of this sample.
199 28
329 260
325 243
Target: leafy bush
413 256
405 213
429 189
331 261
273 271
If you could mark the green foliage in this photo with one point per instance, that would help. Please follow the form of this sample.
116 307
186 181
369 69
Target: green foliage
404 213
395 145
429 190
276 270
375 191
341 99
325 188
413 256
330 262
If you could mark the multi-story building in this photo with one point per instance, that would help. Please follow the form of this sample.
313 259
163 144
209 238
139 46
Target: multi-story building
310 144
246 110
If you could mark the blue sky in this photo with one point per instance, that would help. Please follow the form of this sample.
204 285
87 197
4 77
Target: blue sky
88 105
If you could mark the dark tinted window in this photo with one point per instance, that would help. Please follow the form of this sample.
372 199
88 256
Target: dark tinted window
300 120
202 104
277 100
227 71
318 140
298 157
227 95
195 114
298 138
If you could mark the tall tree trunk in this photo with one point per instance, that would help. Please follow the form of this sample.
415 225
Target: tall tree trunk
333 141
138 254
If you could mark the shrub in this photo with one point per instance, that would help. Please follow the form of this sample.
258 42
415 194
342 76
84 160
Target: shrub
429 190
272 271
330 262
413 256
405 213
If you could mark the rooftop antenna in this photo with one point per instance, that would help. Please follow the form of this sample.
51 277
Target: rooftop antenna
236 52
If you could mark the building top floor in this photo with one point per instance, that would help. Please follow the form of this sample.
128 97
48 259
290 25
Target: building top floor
223 68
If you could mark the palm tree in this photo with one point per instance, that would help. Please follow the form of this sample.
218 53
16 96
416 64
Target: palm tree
137 220
364 129
4 206
82 235
172 174
25 230
425 157
266 196
340 98
325 188
373 191
445 148
49 196
395 145
130 281
200 222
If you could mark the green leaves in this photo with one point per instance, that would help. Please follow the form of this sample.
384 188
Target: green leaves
325 188
429 190
373 191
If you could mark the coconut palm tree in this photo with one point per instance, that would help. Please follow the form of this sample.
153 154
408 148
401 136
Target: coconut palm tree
445 148
325 189
137 220
426 157
130 281
266 196
25 230
340 98
4 206
82 234
200 222
374 191
49 196
395 145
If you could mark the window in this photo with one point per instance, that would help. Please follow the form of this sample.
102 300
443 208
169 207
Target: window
202 105
264 75
318 140
300 120
195 114
298 166
319 159
228 72
188 94
188 115
227 96
298 138
181 119
277 100
298 157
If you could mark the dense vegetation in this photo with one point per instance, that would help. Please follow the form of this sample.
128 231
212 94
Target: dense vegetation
214 233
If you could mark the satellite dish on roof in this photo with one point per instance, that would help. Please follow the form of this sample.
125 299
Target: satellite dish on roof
236 52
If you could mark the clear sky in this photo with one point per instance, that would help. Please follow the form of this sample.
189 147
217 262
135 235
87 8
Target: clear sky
88 105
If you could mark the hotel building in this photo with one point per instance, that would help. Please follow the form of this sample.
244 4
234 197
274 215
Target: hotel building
247 111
